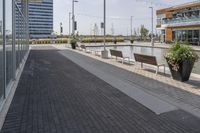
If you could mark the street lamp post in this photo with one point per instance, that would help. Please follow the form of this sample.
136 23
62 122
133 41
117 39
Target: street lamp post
131 27
70 23
61 29
152 39
104 53
104 20
73 17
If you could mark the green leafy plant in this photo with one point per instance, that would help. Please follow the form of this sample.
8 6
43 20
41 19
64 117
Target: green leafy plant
73 40
179 53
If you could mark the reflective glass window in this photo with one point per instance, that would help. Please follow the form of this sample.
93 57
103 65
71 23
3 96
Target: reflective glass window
1 49
179 35
190 36
8 32
184 35
17 45
196 37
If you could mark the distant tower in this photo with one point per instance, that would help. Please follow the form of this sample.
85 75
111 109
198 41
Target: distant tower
40 18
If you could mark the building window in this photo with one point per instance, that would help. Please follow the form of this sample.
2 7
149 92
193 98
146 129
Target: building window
196 37
184 35
190 36
8 41
179 35
173 35
8 44
1 51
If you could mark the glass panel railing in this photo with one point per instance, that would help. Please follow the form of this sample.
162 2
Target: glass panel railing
181 20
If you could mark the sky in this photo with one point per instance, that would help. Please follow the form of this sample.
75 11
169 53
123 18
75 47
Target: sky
90 12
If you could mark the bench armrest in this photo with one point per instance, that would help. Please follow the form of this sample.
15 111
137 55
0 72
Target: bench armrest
161 65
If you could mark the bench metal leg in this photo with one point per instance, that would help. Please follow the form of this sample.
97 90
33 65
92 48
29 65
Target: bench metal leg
157 70
164 69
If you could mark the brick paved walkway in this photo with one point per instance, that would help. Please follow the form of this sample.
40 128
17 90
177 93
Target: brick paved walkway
183 95
55 95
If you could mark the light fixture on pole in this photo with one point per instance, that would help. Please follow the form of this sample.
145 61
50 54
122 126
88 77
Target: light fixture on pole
73 17
152 38
104 53
61 29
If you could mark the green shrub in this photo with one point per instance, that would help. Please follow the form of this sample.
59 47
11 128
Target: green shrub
178 53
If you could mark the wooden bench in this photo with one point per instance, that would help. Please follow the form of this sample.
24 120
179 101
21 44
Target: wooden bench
148 60
119 54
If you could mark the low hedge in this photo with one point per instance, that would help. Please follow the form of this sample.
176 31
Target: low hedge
83 40
100 40
48 41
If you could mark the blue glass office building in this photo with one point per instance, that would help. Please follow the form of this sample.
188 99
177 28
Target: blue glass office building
41 18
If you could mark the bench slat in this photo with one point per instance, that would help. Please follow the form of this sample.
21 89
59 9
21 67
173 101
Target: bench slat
116 53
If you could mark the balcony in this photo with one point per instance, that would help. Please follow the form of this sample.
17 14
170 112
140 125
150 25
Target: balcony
181 22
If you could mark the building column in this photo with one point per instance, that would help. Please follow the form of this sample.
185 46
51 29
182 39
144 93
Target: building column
168 35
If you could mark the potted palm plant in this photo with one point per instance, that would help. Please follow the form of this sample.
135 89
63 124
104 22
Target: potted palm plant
132 40
115 40
181 59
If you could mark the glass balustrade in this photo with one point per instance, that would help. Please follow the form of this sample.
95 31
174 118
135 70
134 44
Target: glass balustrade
13 43
1 51
181 20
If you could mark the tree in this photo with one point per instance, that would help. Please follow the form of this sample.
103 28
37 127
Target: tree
135 33
96 29
144 32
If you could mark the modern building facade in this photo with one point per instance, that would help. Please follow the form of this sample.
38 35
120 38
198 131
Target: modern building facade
41 18
180 23
13 43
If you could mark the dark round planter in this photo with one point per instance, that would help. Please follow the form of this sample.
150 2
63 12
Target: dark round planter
184 71
73 45
132 41
115 42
